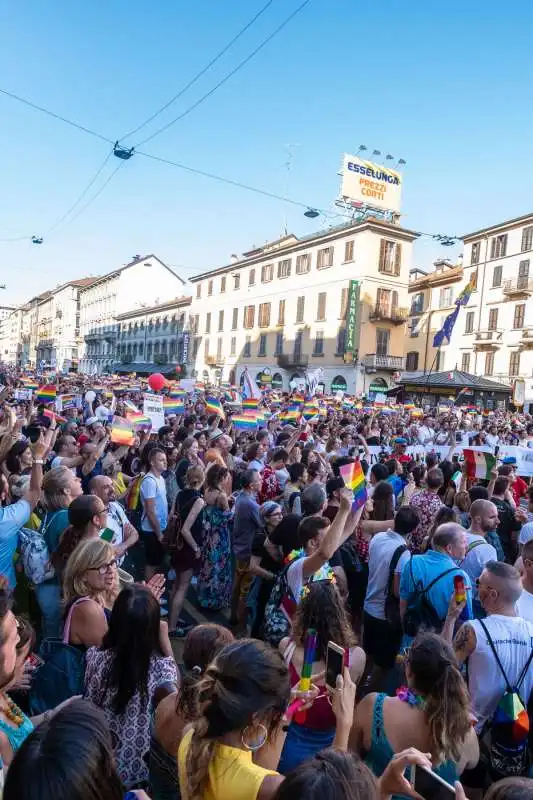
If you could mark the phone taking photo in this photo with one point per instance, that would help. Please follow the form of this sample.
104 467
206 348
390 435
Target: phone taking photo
429 785
335 662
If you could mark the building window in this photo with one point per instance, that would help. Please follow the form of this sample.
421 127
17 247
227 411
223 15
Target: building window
514 364
249 316
324 258
298 344
390 257
414 329
262 348
210 288
493 319
206 348
445 297
235 319
264 315
382 341
281 312
498 246
411 362
303 264
489 363
219 348
321 307
300 309
223 284
318 349
267 273
497 277
348 250
523 274
475 253
344 303
251 278
279 344
220 320
237 281
233 346
465 362
527 239
284 268
341 340
208 323
417 303
198 290
519 315
247 352
469 322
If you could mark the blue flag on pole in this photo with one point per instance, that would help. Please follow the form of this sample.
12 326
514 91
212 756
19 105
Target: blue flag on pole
447 328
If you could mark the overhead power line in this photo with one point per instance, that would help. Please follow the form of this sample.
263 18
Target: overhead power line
97 194
199 74
224 80
47 111
83 193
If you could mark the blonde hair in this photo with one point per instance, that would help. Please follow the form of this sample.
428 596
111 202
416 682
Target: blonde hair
55 488
89 554
194 477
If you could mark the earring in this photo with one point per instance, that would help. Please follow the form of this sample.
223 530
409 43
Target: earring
257 745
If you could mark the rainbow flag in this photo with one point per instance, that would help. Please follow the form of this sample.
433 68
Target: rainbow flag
52 415
173 405
177 392
244 423
129 406
310 410
67 401
250 402
408 406
139 420
352 475
46 394
298 399
214 406
122 432
29 384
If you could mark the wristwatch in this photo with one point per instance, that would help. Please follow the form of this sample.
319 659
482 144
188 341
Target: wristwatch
38 461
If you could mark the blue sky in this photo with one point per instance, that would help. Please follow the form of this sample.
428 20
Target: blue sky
447 86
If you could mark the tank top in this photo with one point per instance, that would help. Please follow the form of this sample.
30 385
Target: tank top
231 773
16 736
513 640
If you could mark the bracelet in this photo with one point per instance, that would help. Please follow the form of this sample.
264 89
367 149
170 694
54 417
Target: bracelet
38 461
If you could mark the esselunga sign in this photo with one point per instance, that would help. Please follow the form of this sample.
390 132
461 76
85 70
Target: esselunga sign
371 184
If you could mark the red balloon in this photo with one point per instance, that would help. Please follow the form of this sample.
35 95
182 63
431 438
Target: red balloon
178 369
156 382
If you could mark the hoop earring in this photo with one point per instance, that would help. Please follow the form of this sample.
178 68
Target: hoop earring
256 745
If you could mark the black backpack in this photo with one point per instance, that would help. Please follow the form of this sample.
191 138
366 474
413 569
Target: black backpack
506 734
392 603
420 614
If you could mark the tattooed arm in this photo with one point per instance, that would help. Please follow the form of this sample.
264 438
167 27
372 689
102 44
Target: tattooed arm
464 643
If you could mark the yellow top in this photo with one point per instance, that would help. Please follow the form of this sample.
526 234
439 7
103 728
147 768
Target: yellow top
119 485
232 773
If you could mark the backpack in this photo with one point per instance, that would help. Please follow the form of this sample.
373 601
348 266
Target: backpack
506 734
279 609
392 603
35 556
292 498
63 673
420 613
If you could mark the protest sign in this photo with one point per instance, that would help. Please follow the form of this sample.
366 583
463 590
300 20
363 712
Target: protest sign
153 408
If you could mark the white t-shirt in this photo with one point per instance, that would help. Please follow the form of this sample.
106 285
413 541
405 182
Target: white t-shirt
526 534
513 640
295 579
116 520
524 606
492 439
476 558
381 550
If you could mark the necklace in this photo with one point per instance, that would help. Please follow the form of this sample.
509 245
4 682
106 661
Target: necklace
13 712
406 695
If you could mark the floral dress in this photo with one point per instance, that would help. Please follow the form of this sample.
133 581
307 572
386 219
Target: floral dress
130 730
215 577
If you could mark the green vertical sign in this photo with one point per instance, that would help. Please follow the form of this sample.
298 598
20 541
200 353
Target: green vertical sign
352 328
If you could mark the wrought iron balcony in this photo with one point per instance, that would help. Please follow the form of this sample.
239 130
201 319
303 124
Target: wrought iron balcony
523 285
382 313
375 361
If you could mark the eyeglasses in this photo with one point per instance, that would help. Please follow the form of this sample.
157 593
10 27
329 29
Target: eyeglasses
105 567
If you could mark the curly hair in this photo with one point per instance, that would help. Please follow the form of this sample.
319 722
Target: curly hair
436 675
201 646
321 608
246 678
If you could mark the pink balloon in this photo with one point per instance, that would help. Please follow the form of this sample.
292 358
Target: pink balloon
156 381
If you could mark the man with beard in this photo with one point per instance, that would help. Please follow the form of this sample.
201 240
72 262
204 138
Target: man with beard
484 519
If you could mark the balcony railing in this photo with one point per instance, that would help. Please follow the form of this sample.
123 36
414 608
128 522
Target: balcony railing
374 361
215 361
387 314
485 336
292 360
520 285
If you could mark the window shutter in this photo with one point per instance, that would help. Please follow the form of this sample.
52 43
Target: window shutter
344 303
382 246
394 299
397 258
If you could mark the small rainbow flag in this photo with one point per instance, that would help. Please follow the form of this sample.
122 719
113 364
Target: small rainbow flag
214 406
52 415
352 475
244 423
408 406
298 399
122 432
139 420
173 405
29 384
46 394
250 402
310 410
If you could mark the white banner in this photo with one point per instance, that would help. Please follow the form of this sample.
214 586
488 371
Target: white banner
523 455
153 408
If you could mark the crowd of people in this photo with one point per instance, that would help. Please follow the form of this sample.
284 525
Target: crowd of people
424 588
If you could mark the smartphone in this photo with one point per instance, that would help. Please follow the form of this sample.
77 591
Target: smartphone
107 535
429 785
335 662
459 587
32 432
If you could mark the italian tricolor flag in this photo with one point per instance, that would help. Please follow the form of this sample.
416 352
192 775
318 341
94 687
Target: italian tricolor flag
479 465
